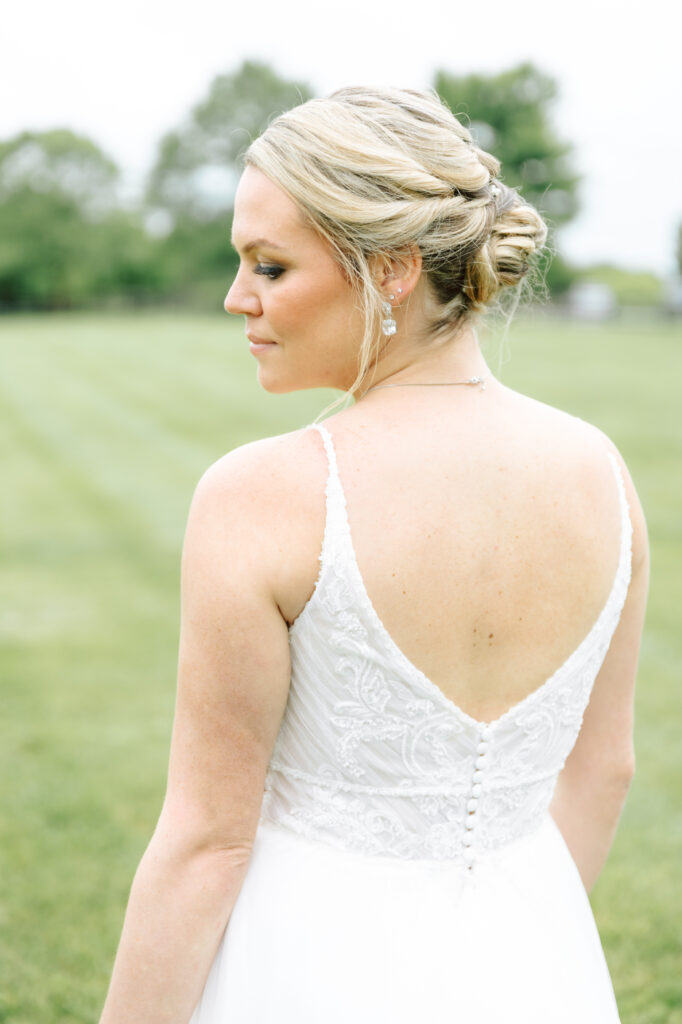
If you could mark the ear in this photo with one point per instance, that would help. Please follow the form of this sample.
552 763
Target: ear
398 274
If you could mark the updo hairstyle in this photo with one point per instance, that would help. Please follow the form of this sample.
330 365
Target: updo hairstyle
377 170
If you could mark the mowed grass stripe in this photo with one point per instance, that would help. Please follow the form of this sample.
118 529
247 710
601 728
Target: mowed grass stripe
116 458
80 782
160 382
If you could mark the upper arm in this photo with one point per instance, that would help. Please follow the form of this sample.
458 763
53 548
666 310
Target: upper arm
605 742
233 664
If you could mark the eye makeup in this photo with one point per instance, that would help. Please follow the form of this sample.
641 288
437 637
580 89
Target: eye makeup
270 270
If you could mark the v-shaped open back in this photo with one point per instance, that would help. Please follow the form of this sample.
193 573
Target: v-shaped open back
371 754
338 547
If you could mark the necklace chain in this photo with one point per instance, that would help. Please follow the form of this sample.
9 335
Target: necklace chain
436 384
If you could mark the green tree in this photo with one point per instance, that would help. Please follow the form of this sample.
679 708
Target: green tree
64 242
196 172
197 262
197 165
60 163
630 287
509 116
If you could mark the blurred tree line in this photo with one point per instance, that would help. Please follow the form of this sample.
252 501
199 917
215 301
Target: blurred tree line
68 241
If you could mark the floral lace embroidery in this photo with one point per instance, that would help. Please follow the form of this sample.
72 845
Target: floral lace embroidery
371 756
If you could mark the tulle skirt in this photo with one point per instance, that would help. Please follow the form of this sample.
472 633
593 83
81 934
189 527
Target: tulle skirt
319 935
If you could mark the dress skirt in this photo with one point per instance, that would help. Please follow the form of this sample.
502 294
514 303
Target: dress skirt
321 935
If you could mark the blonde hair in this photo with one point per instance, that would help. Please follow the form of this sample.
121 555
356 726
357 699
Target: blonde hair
377 170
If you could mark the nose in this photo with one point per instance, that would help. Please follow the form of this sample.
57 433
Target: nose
240 299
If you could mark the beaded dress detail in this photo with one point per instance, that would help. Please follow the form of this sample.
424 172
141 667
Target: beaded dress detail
423 821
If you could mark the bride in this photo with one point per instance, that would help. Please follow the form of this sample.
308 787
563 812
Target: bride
409 635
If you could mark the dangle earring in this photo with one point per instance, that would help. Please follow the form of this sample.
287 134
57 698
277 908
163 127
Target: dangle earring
388 324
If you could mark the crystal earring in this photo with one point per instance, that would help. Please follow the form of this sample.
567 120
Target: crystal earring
388 324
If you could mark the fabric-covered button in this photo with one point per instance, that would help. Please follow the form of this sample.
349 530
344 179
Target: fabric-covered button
482 747
468 854
470 822
476 790
480 761
486 733
468 839
478 775
472 804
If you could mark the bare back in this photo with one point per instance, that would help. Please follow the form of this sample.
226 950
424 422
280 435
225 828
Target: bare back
486 529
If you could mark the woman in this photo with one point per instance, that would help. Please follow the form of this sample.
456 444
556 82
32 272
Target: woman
409 638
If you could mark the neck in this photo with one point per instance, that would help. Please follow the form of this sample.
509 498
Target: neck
451 362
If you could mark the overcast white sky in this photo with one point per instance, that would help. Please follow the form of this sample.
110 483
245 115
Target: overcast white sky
125 73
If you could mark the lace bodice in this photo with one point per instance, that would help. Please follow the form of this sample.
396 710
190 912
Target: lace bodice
372 756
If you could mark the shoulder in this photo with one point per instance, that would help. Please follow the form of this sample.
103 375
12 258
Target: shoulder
259 474
250 495
583 443
588 451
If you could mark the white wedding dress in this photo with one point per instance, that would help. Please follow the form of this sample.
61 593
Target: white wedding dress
405 867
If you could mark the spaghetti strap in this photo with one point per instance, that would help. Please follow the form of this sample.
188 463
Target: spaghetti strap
329 449
336 529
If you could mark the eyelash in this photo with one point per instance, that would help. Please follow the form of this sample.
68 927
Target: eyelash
271 271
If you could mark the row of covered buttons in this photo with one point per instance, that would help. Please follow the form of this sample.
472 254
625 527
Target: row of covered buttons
473 801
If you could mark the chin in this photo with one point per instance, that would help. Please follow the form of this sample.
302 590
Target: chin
275 385
277 388
281 384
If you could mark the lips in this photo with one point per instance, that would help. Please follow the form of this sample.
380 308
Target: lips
259 341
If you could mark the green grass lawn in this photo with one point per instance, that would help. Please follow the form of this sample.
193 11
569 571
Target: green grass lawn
106 424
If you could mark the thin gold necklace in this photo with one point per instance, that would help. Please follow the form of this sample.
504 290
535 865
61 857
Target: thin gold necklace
437 384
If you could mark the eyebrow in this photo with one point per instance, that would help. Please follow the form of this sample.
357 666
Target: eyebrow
260 242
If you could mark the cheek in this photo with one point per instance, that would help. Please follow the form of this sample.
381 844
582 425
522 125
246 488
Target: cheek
306 303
